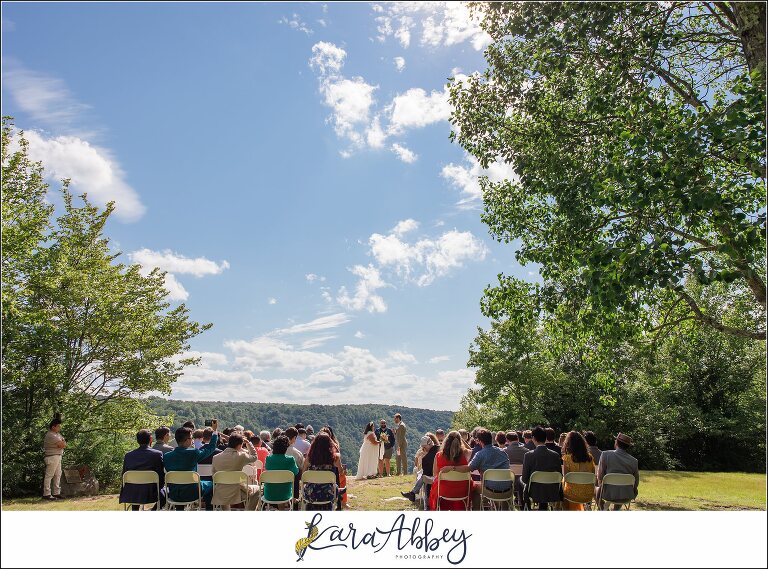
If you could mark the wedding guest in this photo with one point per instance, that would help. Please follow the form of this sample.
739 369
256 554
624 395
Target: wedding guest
302 444
576 458
501 440
591 439
401 446
528 440
450 456
551 444
143 458
426 462
515 449
489 457
265 439
292 435
310 433
440 434
278 460
53 447
207 434
162 436
261 451
321 456
186 457
197 438
276 433
544 460
234 458
561 441
617 461
189 425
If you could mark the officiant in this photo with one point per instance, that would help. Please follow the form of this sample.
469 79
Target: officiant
386 446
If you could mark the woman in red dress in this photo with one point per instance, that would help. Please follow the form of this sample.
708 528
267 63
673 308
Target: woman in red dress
451 454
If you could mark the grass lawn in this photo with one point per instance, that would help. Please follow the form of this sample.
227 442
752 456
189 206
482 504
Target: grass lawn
658 491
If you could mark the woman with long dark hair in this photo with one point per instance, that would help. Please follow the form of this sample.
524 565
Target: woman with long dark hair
368 465
576 458
322 455
450 455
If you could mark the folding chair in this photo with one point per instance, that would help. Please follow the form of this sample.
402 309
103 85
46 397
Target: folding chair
493 497
183 477
142 477
318 477
252 472
617 480
517 470
426 485
205 470
225 477
275 477
540 477
454 476
585 478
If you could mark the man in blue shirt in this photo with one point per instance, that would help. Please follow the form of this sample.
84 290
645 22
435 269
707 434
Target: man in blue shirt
487 457
186 457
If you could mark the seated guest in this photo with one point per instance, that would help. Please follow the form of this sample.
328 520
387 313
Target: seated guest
591 439
343 473
540 459
463 432
162 436
278 460
576 458
265 439
239 429
247 434
528 440
501 440
426 463
189 425
516 452
519 436
322 455
617 461
276 433
185 457
224 439
302 444
310 433
234 458
197 438
561 441
261 451
473 441
551 444
449 457
440 435
143 458
292 435
489 457
207 433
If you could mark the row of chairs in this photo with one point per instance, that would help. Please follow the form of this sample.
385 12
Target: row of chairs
247 476
494 500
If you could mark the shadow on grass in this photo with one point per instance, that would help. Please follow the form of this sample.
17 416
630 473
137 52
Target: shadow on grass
671 474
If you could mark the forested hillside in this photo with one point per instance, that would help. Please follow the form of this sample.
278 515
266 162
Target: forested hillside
347 421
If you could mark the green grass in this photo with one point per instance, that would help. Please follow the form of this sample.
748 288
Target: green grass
658 491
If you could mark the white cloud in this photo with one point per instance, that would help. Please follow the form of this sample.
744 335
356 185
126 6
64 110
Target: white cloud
405 226
327 58
268 352
441 24
399 63
426 259
271 300
416 109
92 170
316 342
350 101
295 22
312 277
359 335
404 357
322 22
466 178
375 135
364 297
404 154
172 262
208 360
438 359
318 324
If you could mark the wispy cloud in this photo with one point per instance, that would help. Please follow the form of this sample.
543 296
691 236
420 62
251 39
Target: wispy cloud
174 263
316 325
296 23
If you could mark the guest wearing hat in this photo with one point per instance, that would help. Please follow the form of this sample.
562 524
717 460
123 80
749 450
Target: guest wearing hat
425 458
617 461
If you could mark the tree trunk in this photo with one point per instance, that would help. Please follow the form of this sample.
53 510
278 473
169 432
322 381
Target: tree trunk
750 19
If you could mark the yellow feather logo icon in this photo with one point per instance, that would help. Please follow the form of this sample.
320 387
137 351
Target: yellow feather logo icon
303 543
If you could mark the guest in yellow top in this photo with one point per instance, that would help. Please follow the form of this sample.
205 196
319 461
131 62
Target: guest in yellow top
576 458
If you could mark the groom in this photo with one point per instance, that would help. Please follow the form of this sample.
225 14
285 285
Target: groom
384 461
402 446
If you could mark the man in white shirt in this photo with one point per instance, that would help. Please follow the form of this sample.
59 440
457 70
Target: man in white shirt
292 435
302 444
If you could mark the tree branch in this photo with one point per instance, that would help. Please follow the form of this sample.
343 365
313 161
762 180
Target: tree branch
714 323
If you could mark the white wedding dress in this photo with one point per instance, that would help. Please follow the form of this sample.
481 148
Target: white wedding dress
369 458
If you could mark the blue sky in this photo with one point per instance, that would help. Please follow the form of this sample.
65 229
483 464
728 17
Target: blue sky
289 166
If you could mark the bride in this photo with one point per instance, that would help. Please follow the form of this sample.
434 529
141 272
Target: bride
368 466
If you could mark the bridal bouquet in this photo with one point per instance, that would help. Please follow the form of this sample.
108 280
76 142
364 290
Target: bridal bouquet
383 437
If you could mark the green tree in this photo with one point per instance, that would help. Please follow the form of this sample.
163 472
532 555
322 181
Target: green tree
83 335
637 132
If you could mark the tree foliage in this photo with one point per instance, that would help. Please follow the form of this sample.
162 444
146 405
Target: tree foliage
637 131
83 334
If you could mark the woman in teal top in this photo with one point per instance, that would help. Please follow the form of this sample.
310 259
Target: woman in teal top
278 461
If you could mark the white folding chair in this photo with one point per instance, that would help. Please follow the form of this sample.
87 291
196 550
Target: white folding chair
318 477
275 477
493 497
252 472
454 476
517 469
423 497
205 470
183 477
142 477
585 478
617 480
226 477
540 477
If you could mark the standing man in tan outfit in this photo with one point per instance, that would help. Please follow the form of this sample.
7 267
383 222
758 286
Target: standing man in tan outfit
53 445
402 445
